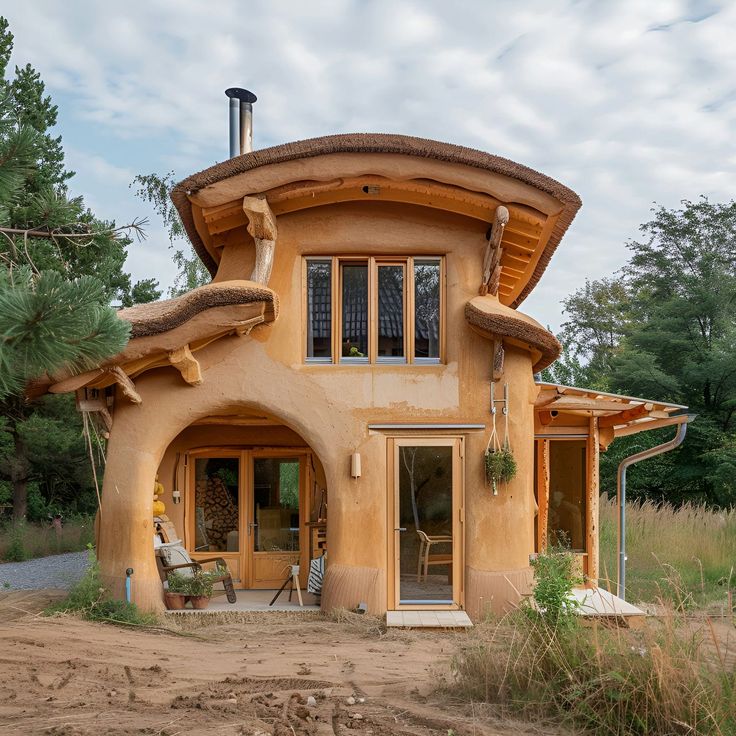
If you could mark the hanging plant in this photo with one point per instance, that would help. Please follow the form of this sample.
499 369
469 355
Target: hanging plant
500 466
499 461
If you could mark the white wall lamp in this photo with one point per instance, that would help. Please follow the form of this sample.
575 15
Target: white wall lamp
355 465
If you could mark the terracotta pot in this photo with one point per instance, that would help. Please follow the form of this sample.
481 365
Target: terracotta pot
199 601
174 601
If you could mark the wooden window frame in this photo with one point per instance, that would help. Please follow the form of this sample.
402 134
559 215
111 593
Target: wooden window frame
373 263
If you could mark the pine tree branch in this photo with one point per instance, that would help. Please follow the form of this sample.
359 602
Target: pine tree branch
137 226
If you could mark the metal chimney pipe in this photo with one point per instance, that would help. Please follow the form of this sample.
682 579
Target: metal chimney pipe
241 120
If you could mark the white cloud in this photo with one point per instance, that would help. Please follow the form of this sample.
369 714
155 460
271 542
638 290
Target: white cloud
626 102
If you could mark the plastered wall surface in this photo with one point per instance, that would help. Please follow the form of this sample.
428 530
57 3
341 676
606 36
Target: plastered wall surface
330 407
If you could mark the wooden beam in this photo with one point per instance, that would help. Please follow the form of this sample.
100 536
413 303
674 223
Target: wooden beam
640 426
126 384
498 359
623 417
493 252
545 417
183 360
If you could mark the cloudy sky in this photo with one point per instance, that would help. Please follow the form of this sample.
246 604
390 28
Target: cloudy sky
627 102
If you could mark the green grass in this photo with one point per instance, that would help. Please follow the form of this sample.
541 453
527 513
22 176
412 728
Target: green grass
28 540
692 548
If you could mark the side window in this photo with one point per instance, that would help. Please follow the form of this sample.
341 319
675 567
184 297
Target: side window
319 311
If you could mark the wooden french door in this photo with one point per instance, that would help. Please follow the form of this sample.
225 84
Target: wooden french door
426 523
249 507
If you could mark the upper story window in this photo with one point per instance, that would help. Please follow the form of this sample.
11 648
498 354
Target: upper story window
374 310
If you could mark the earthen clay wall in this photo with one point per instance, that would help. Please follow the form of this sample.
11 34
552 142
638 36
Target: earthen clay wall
330 407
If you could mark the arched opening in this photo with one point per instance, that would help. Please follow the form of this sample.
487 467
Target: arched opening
248 488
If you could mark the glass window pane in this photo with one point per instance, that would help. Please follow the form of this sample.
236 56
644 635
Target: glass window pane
355 310
425 516
276 504
319 309
216 481
426 309
567 494
390 311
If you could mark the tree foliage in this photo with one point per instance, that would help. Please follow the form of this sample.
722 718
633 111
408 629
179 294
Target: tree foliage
156 190
60 267
666 329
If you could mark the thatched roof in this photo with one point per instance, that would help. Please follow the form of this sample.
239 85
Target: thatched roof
161 316
379 143
493 319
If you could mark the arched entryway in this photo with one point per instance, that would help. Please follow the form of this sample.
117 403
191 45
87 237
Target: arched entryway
250 490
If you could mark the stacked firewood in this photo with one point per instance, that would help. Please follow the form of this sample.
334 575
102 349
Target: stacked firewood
220 511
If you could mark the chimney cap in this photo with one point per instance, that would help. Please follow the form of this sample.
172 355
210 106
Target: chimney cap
243 95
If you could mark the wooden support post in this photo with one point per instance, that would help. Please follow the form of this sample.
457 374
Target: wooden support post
262 226
542 450
593 492
183 360
493 253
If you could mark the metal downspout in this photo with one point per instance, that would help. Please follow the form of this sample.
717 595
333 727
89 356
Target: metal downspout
621 496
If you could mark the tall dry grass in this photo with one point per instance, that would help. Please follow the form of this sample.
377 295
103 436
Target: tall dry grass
696 542
671 677
29 540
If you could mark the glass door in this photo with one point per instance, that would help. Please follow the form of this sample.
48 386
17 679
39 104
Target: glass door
214 521
275 524
427 522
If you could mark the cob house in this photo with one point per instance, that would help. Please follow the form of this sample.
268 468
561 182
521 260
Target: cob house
336 387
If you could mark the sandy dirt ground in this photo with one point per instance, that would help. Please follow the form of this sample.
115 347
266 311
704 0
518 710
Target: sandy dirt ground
266 674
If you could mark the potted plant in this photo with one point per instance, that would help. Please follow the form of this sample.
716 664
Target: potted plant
175 595
199 588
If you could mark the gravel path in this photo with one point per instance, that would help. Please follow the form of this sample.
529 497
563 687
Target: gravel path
56 571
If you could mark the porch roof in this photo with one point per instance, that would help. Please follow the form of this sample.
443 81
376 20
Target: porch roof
625 415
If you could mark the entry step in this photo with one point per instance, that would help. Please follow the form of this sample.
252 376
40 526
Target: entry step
428 619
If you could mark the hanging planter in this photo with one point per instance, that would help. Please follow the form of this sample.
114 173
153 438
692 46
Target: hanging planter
499 461
500 466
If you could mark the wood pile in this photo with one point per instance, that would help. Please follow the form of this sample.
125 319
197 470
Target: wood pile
220 511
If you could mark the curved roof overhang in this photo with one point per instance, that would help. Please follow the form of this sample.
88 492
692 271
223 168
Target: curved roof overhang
389 168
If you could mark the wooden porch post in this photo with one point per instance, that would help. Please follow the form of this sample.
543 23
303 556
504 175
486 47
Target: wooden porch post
593 492
542 448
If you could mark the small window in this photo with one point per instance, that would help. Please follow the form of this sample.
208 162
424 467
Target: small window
386 310
319 311
390 348
354 340
427 310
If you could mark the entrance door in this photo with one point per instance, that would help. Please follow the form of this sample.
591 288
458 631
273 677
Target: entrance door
276 523
427 516
250 507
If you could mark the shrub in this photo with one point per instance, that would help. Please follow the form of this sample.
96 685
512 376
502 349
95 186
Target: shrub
87 598
554 579
16 551
199 583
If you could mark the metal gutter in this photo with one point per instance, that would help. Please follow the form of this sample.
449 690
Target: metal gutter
676 441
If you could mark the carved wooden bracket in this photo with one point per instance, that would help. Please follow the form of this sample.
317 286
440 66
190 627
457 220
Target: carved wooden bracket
126 384
493 253
262 226
183 360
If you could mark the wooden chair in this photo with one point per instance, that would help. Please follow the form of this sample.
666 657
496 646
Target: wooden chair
426 559
173 556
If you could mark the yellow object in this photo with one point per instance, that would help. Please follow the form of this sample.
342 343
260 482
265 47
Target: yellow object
159 508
